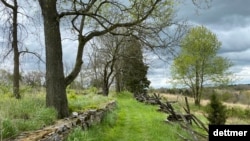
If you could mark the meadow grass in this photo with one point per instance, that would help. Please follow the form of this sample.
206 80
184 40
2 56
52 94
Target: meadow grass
30 112
79 102
131 121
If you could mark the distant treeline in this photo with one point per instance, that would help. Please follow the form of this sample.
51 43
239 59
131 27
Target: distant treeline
232 93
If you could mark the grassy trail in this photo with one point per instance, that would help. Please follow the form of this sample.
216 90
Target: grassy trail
133 121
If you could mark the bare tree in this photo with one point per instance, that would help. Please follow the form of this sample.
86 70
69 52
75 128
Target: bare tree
6 77
13 29
33 78
14 21
105 54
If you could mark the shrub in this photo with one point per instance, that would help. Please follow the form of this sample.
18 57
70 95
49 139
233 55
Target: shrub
92 90
216 111
227 97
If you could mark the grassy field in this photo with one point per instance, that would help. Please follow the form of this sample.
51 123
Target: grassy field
30 112
131 121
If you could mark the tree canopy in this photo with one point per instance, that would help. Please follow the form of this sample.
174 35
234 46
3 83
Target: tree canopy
198 62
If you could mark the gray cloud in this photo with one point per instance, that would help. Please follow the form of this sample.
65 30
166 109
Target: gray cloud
221 13
235 40
230 21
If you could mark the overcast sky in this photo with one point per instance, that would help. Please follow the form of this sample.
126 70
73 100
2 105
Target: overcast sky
230 21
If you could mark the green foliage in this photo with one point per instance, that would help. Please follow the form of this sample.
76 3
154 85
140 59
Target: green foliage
134 70
46 116
227 97
125 94
238 113
133 121
217 113
83 102
77 135
247 113
92 90
28 113
71 94
5 90
110 118
7 129
198 63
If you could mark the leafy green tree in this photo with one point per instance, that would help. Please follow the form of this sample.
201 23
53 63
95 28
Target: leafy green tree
216 111
134 70
198 63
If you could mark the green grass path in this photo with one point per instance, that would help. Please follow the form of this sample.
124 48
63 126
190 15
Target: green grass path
133 121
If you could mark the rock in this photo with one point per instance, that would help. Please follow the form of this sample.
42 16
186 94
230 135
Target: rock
75 114
60 130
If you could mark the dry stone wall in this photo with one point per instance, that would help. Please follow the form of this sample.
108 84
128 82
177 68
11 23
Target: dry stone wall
60 130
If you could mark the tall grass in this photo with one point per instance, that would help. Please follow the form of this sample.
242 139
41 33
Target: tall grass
78 103
131 121
28 113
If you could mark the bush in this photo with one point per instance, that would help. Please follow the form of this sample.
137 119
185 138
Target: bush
227 97
238 113
216 111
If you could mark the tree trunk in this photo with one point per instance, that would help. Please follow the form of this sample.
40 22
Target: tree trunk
105 85
197 102
197 85
16 74
105 90
117 82
55 80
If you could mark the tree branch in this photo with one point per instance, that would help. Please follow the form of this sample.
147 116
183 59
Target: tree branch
33 53
8 5
84 39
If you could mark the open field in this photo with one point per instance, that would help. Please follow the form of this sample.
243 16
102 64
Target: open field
232 108
204 102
